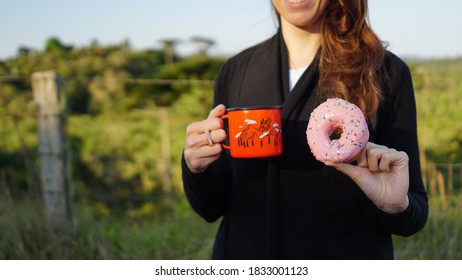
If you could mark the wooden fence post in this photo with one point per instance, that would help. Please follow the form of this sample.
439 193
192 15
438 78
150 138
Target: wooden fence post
450 180
166 167
52 149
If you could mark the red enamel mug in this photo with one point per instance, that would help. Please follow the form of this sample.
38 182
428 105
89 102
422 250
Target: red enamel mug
254 132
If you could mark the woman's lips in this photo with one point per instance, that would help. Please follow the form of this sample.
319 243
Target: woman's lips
296 3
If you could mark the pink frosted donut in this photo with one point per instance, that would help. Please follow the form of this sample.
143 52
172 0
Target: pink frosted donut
337 115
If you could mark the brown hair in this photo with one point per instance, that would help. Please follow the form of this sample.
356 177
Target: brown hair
352 56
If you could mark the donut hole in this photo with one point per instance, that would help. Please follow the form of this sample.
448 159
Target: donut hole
336 134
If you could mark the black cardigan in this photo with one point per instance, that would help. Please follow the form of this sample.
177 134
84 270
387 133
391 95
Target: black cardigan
293 206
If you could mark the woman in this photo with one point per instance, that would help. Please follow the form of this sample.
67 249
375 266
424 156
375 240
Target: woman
293 206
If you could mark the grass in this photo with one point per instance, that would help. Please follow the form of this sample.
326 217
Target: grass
180 234
440 239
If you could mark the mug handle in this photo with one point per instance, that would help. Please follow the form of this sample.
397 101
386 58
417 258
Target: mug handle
223 145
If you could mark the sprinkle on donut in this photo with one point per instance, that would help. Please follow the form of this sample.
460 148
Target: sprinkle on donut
337 115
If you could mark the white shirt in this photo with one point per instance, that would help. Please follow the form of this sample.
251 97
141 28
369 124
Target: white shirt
294 76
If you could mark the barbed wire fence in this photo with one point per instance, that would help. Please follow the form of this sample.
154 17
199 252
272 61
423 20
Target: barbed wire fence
43 167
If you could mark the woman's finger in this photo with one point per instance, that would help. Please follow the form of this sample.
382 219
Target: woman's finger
362 160
386 161
373 158
208 137
217 112
199 127
199 158
216 136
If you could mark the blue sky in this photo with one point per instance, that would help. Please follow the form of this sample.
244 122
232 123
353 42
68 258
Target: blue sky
411 27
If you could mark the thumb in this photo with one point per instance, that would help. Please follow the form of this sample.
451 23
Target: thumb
217 111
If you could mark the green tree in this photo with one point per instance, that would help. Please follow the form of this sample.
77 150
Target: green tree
203 43
169 49
55 45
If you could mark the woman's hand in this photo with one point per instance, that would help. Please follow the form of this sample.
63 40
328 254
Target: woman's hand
202 146
383 175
